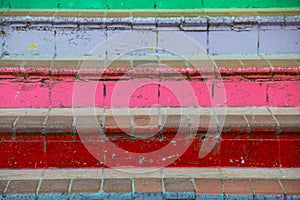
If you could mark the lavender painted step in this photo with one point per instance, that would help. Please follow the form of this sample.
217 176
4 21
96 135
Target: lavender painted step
69 36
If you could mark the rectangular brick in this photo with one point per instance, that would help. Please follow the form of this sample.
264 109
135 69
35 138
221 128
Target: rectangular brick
245 93
65 64
173 64
88 125
174 123
30 125
250 64
18 94
22 187
6 125
237 186
117 186
262 123
86 186
10 63
54 186
175 93
202 90
292 187
44 64
58 125
234 124
265 187
93 14
148 185
115 124
289 97
289 123
44 13
179 188
233 64
202 123
2 186
209 187
283 63
145 123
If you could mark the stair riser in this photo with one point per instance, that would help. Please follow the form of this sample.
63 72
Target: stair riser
41 153
48 36
47 92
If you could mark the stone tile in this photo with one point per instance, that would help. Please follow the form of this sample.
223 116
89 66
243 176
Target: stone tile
29 43
79 43
10 63
237 186
267 187
234 123
6 125
30 125
54 186
117 185
291 186
2 186
209 187
233 42
289 123
279 41
22 187
147 185
59 125
86 186
179 188
145 124
262 123
283 63
65 64
115 124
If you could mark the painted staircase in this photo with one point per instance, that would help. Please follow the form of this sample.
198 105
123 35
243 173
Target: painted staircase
180 100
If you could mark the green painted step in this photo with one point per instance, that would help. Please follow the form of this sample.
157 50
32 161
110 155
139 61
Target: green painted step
147 4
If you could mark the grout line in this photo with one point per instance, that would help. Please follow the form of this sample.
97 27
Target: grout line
14 127
163 186
102 182
44 124
70 187
38 187
277 122
6 187
252 188
282 188
131 124
74 126
133 188
248 124
223 189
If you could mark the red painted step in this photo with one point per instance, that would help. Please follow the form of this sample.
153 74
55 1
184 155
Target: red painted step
251 137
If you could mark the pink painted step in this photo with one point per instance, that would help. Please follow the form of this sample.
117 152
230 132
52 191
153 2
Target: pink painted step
43 84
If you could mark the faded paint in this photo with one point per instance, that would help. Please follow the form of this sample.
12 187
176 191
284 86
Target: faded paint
214 35
57 90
